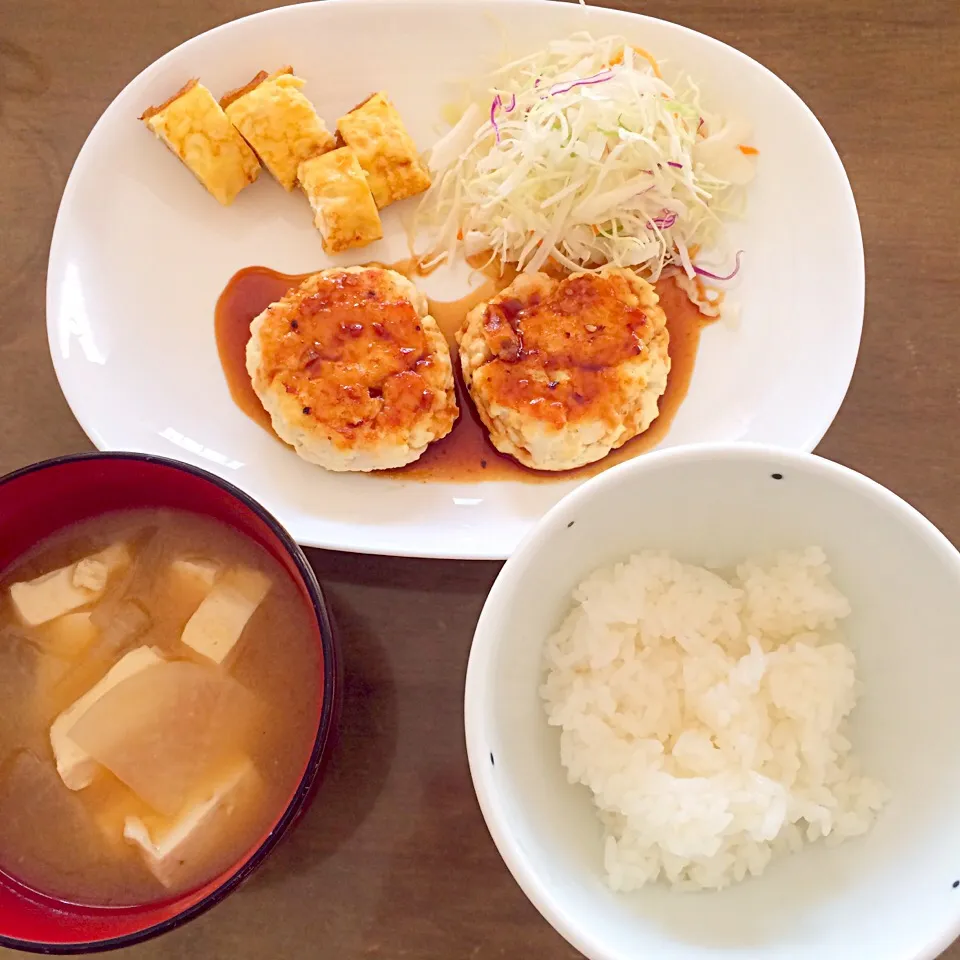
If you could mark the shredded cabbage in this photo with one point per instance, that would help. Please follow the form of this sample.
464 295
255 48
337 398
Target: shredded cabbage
584 155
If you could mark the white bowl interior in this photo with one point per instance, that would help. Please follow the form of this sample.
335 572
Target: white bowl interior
890 895
132 214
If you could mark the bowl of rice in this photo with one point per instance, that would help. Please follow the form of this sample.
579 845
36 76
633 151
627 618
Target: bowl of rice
710 712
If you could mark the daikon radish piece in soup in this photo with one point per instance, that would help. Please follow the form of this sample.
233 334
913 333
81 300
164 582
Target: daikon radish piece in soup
161 729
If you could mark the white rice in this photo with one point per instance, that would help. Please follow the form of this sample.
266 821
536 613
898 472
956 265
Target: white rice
707 715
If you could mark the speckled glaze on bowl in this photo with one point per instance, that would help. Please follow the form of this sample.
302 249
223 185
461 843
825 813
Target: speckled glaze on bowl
890 895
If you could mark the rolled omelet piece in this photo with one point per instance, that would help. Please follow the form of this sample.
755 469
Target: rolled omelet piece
279 122
344 209
385 150
193 125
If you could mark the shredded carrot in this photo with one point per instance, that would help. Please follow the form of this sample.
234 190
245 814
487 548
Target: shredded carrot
649 58
748 151
459 234
595 229
693 250
641 53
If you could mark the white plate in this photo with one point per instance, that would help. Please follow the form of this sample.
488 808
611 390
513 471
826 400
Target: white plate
140 253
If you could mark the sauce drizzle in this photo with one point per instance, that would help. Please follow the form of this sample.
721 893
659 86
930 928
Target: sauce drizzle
466 455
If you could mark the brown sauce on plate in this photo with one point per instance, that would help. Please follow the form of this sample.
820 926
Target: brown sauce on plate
466 455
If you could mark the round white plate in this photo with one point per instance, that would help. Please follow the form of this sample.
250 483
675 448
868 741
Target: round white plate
141 252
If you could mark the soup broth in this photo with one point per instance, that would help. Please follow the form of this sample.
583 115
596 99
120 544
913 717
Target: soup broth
201 676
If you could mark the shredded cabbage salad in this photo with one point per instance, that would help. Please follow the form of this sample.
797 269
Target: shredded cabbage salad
583 154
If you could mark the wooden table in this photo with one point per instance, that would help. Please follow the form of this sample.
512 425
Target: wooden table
393 860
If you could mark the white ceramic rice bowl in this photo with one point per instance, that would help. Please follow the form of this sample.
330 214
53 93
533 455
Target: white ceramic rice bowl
887 896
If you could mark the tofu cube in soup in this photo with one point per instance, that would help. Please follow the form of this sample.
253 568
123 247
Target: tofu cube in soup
279 122
111 803
74 764
344 209
195 574
175 848
90 573
386 152
62 591
219 621
70 635
188 581
193 125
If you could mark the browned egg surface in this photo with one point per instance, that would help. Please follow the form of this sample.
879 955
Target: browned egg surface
164 733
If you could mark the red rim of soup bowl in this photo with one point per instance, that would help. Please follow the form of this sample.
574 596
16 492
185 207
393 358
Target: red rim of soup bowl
44 497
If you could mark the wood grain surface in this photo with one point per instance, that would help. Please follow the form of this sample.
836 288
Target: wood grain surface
393 859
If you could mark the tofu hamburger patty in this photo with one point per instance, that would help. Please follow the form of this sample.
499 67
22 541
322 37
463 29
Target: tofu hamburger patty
564 371
353 370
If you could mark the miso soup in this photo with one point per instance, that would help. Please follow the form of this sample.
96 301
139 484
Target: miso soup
159 681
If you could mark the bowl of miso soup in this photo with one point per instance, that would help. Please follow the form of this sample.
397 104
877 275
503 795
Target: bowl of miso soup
169 683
